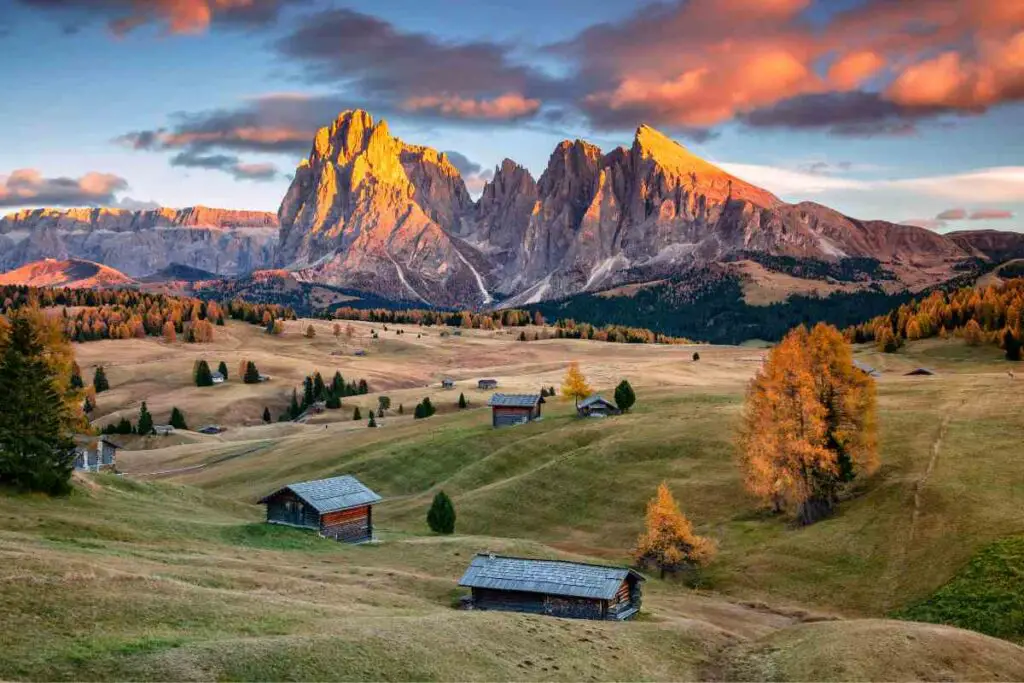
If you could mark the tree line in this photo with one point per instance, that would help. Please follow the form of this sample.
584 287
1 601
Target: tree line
990 315
316 390
90 315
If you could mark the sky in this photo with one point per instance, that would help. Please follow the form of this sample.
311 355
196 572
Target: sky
902 110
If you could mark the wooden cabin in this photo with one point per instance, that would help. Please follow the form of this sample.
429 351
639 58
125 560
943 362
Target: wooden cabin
514 409
596 406
340 508
95 454
447 383
487 384
920 372
556 588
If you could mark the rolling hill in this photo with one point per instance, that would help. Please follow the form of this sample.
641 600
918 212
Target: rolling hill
73 273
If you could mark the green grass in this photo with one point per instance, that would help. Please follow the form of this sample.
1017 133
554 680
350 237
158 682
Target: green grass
986 596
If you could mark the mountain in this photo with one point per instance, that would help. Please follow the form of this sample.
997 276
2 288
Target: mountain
73 273
369 212
140 243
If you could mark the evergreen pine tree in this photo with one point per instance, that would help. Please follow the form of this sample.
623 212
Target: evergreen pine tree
307 392
338 384
252 375
319 388
202 375
76 377
401 409
294 409
178 419
145 421
373 421
624 396
696 356
35 454
124 426
356 415
462 401
1013 346
223 369
266 415
332 402
441 516
99 380
87 407
364 388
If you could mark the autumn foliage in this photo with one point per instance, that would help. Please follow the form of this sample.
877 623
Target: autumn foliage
668 541
808 425
575 385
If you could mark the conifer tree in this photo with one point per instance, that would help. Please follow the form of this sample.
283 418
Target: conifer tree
809 424
266 415
624 396
87 406
462 401
383 403
124 426
356 415
319 388
223 369
202 375
575 385
696 356
668 541
364 388
332 402
99 380
145 427
294 409
307 392
76 377
441 515
252 375
177 419
401 409
373 420
338 384
1012 346
36 454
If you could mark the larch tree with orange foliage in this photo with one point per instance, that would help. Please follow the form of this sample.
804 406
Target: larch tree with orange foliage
668 541
575 385
809 425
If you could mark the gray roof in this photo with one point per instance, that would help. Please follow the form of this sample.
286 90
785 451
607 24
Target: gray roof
514 400
865 368
596 398
552 577
331 495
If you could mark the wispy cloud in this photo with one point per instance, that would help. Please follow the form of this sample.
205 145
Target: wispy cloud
28 187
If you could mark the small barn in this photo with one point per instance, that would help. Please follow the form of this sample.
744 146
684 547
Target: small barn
94 454
487 384
217 378
514 409
596 406
556 588
920 372
340 508
210 429
447 383
163 430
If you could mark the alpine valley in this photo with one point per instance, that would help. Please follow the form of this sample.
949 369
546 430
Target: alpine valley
649 234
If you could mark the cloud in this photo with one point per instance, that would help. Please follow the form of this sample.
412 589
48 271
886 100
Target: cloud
991 214
783 181
226 163
1003 184
876 68
175 16
825 167
952 215
27 186
415 71
134 204
473 174
509 106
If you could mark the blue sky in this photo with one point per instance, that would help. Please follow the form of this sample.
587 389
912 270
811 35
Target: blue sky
899 111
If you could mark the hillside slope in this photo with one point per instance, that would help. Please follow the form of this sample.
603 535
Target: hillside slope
72 273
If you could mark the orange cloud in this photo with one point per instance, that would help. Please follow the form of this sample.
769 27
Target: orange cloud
507 106
852 70
28 187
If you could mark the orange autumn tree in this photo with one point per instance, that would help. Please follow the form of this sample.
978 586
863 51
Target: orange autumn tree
575 385
668 541
809 425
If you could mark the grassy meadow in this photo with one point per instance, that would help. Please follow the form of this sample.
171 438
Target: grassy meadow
167 572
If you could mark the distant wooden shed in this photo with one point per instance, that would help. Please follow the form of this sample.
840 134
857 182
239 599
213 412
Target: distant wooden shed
447 383
340 508
487 384
94 454
596 406
514 409
920 372
552 587
866 369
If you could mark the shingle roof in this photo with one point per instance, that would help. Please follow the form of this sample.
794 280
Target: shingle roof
331 495
514 400
552 577
596 398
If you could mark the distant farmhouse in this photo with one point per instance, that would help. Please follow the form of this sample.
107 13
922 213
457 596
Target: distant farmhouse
340 508
211 429
487 384
514 409
555 588
163 430
217 378
447 383
94 454
595 406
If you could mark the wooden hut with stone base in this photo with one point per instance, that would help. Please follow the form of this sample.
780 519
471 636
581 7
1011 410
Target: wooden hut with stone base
340 508
556 588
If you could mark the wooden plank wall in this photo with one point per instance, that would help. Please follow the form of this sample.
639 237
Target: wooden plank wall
353 525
